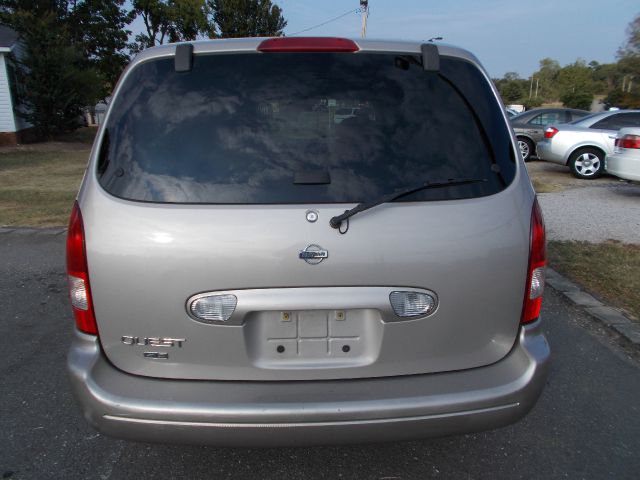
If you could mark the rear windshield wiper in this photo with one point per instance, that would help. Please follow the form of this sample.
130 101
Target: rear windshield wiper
336 221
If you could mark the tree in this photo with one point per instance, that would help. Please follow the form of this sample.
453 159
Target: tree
511 91
576 85
57 78
156 18
605 76
171 21
95 27
190 18
627 92
532 102
621 99
184 20
73 50
247 18
632 45
99 28
511 76
547 77
512 88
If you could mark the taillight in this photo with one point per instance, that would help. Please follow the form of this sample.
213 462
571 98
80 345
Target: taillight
308 44
550 132
628 141
78 275
536 267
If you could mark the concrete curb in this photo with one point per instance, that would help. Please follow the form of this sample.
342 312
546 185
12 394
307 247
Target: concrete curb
608 316
33 230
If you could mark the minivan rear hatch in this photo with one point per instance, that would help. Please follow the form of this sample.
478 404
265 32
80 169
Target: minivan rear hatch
208 202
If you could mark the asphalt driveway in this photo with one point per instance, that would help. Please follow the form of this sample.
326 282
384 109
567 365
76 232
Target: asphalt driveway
589 210
586 425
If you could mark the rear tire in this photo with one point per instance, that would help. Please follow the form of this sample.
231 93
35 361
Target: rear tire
527 148
587 163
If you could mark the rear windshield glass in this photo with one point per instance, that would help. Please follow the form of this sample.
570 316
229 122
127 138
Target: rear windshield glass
586 119
265 128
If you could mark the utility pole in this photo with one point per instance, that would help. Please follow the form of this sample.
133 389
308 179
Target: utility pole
537 83
531 88
364 10
627 83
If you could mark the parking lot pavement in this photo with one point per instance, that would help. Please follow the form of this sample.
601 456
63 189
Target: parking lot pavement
608 211
605 208
585 425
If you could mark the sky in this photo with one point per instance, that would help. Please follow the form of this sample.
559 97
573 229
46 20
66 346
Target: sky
506 35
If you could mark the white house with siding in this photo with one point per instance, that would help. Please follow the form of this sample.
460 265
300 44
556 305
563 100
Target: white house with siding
12 126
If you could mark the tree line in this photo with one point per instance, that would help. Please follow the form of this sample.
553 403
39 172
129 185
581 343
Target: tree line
576 84
72 52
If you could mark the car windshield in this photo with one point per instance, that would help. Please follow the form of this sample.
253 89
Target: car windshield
302 128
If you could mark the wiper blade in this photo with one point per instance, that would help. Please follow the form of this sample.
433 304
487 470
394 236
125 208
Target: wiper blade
336 221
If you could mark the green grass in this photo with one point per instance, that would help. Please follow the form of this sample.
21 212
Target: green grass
610 270
37 188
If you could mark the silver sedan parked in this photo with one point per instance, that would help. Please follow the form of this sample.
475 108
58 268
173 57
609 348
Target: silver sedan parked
529 126
583 144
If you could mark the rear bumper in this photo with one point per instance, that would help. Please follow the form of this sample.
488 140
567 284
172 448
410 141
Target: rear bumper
230 413
623 166
546 152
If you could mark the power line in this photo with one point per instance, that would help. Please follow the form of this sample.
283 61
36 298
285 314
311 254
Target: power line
355 10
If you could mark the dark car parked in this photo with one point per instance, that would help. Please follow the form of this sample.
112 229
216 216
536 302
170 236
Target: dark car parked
529 126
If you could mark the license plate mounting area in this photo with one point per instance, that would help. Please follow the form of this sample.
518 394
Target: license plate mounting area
313 338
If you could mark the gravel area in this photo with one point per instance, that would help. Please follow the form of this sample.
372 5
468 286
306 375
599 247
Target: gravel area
593 213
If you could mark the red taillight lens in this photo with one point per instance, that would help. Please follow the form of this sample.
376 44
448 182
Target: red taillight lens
78 275
550 132
308 44
629 141
536 267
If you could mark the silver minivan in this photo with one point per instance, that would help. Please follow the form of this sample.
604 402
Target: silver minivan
244 270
